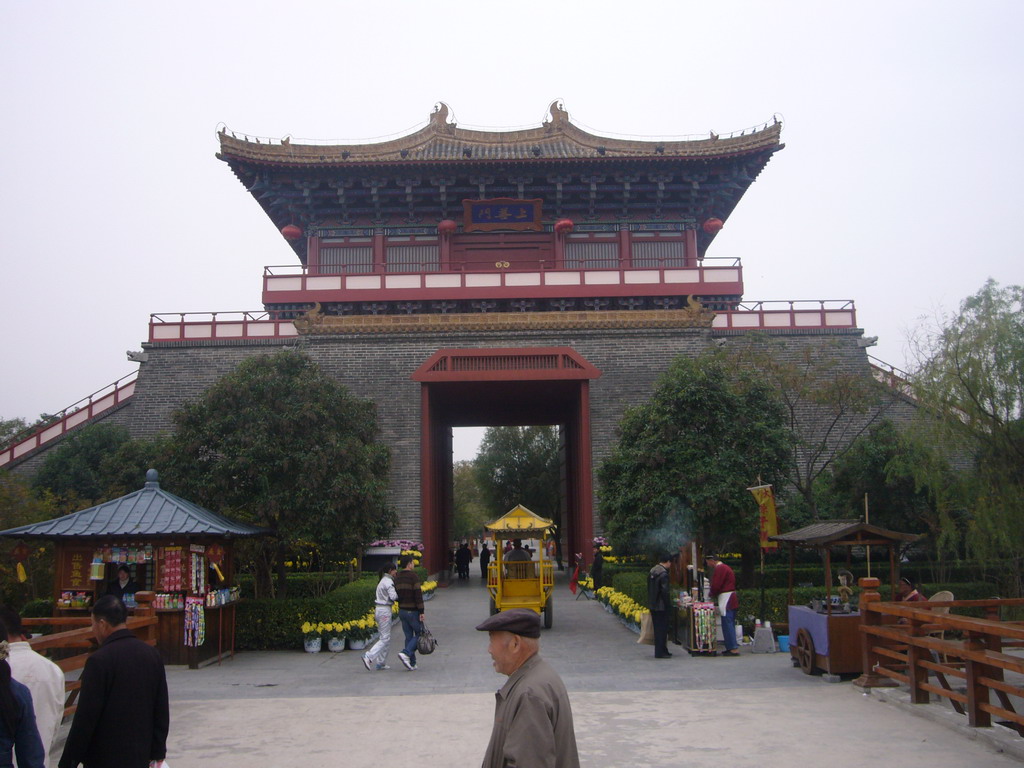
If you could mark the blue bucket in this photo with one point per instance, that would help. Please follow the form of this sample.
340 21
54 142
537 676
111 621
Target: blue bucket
783 643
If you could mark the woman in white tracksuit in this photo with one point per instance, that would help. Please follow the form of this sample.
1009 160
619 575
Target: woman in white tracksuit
376 658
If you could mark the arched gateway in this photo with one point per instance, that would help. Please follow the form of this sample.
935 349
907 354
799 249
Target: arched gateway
505 387
463 277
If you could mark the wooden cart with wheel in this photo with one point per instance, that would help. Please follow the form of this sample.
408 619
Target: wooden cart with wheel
827 639
525 583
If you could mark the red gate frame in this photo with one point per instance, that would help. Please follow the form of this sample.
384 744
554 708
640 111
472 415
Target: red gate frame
505 365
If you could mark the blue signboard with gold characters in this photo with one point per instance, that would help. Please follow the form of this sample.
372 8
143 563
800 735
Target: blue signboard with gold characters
501 213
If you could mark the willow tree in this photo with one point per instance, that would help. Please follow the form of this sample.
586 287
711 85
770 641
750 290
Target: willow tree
970 380
280 444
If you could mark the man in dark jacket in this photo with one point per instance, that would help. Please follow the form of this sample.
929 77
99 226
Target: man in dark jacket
410 608
123 713
485 559
462 560
660 602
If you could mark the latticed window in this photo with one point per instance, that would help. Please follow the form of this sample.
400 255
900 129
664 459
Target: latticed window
424 257
658 253
591 254
335 261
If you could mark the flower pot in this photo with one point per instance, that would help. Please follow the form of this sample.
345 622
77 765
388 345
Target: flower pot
312 645
356 645
428 596
336 644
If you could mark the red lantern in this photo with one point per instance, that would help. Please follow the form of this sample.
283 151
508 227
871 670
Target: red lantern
447 227
291 232
711 226
563 226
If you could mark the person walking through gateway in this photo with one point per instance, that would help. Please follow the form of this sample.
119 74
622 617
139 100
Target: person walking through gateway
377 657
462 560
410 609
485 558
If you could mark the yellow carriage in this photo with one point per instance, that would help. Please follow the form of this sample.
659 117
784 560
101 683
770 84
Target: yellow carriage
521 583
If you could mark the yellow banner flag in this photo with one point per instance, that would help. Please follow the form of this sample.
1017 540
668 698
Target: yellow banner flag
22 576
769 525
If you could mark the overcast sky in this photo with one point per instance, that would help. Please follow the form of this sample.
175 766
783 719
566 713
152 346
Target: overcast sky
899 187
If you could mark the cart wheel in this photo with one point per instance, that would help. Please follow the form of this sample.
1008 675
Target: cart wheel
494 608
549 617
805 651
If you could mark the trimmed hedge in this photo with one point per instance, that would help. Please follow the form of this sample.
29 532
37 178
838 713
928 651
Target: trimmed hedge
37 609
300 585
633 584
269 624
776 600
777 576
312 585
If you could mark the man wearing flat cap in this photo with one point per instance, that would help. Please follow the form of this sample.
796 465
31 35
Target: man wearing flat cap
532 716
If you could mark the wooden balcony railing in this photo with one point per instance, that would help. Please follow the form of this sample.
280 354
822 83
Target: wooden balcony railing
749 316
75 644
295 283
916 643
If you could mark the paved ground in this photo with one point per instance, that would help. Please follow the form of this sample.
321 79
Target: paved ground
284 709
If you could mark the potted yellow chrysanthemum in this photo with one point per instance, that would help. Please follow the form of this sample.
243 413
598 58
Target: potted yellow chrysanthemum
335 637
358 632
312 636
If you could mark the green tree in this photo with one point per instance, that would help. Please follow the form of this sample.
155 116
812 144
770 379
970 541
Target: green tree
11 427
75 471
519 465
20 505
684 460
522 465
970 379
470 512
282 445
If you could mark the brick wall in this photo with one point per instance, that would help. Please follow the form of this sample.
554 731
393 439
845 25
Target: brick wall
379 367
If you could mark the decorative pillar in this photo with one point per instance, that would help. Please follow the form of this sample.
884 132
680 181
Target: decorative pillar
378 251
691 247
625 247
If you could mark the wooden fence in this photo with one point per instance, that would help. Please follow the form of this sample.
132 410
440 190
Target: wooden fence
69 648
924 645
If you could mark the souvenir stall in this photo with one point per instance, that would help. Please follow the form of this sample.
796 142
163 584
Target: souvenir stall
695 612
151 541
825 635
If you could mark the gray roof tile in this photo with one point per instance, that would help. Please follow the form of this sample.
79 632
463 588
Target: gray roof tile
146 512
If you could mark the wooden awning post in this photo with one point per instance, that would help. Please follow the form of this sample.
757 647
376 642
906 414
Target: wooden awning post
792 548
828 580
